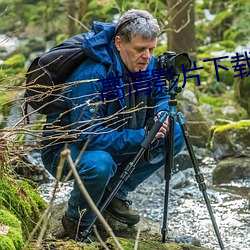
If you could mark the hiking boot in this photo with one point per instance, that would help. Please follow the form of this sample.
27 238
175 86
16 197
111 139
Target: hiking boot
75 231
121 211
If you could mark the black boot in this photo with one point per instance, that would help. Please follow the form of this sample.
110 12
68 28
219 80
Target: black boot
121 211
74 230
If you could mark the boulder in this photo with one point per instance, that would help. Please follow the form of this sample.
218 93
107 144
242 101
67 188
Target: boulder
231 169
231 139
197 125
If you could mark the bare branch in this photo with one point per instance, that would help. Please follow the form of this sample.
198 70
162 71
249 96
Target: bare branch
66 154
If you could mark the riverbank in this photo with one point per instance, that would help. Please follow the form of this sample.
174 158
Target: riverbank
188 215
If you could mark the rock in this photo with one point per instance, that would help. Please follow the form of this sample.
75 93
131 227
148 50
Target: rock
231 169
181 179
206 109
189 96
149 238
228 110
197 125
229 140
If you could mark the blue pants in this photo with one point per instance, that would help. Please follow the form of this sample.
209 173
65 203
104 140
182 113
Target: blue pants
99 171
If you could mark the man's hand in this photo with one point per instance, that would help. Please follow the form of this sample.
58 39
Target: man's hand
164 128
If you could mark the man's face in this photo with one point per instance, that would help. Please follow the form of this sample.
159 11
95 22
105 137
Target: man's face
137 53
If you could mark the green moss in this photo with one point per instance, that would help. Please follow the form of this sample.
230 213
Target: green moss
128 244
16 61
160 50
12 71
9 219
13 239
22 200
228 45
16 237
220 132
236 125
212 100
226 77
6 243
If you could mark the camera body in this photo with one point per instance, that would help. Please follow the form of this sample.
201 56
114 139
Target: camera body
173 63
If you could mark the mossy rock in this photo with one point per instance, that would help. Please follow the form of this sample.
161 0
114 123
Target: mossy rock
128 244
232 139
21 199
223 106
11 237
231 169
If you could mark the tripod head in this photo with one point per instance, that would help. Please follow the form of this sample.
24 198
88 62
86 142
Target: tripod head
174 64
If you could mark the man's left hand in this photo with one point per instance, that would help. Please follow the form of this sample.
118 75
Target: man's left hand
163 129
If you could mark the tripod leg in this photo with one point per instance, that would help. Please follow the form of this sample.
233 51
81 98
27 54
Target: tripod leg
168 173
199 176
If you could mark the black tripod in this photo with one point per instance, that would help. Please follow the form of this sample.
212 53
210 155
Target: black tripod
169 163
174 89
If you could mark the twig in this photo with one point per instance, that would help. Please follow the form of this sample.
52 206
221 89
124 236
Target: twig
66 154
77 21
137 236
99 238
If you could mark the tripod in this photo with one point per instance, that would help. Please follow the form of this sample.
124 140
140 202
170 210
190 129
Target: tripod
168 164
174 89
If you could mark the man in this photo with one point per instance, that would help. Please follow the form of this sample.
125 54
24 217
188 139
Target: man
109 121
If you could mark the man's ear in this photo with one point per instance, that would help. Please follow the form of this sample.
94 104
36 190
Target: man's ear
118 42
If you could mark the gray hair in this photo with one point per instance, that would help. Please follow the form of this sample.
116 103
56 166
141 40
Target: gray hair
137 22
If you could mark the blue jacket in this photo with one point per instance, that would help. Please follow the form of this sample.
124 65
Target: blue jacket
88 118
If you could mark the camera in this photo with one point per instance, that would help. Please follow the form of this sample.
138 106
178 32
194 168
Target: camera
173 63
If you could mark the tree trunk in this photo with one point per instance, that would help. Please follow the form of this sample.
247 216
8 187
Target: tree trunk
181 34
83 7
72 13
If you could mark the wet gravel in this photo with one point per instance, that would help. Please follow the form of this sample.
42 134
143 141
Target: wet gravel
187 212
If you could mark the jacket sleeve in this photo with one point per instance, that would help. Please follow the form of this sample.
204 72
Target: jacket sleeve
161 102
88 116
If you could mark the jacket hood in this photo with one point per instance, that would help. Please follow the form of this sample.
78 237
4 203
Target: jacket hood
98 42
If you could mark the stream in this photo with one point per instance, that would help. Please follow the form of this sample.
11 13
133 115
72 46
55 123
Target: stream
187 212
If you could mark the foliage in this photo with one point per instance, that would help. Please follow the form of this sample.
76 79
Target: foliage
220 28
224 20
242 89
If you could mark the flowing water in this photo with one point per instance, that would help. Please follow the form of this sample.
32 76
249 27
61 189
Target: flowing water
187 212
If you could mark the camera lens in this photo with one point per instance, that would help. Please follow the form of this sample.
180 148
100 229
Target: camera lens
182 59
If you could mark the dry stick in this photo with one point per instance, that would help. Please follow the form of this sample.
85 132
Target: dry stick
66 154
137 236
99 238
45 217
